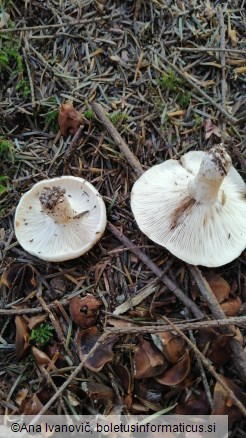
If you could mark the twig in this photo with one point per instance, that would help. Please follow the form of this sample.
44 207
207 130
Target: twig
209 49
209 367
157 271
238 354
197 88
181 325
132 160
58 25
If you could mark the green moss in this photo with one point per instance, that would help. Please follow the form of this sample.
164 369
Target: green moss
41 335
116 118
170 81
3 187
88 114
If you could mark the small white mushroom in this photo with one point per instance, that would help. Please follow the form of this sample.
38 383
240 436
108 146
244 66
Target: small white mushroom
195 207
60 219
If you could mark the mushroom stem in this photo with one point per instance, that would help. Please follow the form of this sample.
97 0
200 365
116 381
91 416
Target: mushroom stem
204 188
55 204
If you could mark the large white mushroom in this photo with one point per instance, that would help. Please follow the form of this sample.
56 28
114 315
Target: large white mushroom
194 207
60 218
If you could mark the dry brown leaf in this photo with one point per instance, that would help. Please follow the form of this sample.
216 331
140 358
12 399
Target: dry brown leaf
86 339
84 311
20 278
172 346
195 404
215 344
231 307
21 396
22 337
223 405
177 373
210 128
69 119
219 286
98 392
42 359
148 361
35 321
32 406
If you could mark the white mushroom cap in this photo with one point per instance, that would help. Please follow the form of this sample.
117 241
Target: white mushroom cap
195 211
66 231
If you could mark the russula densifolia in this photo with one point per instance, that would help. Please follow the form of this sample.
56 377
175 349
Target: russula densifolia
194 207
60 219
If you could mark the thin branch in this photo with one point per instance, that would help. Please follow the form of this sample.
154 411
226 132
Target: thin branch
132 160
210 49
157 271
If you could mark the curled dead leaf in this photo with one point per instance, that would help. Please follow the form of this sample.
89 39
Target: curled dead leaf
35 321
99 392
231 307
215 344
195 404
84 311
172 346
41 358
233 37
86 339
22 337
177 373
19 278
148 361
126 383
223 405
69 119
219 286
32 406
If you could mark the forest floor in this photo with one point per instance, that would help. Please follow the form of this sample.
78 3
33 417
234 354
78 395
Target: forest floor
171 78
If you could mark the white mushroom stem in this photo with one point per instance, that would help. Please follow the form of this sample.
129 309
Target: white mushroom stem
55 204
214 167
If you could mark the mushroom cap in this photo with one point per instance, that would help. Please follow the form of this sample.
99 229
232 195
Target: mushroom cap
42 237
209 235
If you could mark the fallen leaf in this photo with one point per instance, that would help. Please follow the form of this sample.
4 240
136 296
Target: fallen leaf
177 373
216 345
86 339
19 278
195 404
35 321
210 128
231 307
22 337
172 346
219 286
21 396
41 358
69 119
32 406
148 361
84 311
222 403
98 392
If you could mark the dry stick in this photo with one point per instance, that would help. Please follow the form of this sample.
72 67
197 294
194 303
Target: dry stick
208 365
181 325
71 377
29 78
210 49
132 160
58 25
238 354
73 144
157 271
197 88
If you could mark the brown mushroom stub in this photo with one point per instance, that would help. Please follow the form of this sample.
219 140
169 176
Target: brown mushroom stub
194 207
60 219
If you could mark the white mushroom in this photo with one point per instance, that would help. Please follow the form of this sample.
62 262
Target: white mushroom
195 207
60 218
